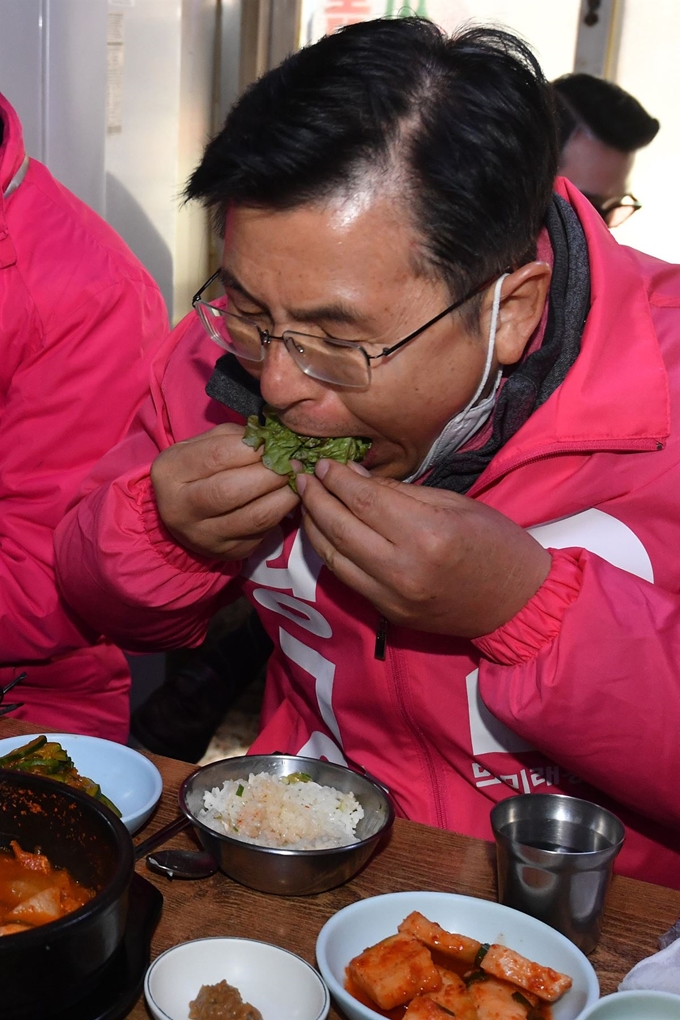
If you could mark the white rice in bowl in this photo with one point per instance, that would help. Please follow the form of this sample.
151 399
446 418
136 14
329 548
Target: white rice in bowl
288 812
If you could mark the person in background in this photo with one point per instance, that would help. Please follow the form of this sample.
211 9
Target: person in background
180 717
80 319
601 127
486 604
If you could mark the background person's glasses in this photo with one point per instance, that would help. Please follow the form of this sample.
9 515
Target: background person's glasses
338 362
615 211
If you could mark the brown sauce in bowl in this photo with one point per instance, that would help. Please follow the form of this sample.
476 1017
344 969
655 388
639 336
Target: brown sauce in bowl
221 1002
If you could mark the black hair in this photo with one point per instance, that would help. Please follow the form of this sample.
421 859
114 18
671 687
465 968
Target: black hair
467 123
611 113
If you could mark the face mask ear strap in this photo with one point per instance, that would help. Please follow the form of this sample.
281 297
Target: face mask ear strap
491 345
467 421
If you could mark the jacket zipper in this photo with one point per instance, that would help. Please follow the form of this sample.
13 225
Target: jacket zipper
381 639
434 783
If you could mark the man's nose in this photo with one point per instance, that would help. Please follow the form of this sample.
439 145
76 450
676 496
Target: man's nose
282 383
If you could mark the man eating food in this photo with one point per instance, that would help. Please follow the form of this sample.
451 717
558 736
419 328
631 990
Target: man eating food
284 450
486 603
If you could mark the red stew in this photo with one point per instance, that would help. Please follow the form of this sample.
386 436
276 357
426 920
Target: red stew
34 892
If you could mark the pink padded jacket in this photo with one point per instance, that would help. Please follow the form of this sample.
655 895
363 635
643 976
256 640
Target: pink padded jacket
79 319
579 693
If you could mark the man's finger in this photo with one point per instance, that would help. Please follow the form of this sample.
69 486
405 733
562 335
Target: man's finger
344 568
217 534
227 491
220 449
381 503
376 505
342 532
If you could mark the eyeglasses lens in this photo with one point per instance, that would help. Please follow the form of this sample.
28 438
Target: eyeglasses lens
338 365
615 211
236 335
619 214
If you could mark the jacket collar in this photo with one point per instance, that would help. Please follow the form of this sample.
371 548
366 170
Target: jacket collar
615 395
621 373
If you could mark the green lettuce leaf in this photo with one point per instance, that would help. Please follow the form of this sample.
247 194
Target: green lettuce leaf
281 446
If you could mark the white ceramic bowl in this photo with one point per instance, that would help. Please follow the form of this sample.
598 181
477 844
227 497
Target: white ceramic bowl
126 777
366 922
635 1005
280 984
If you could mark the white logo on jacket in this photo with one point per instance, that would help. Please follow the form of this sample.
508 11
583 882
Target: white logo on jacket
592 529
300 575
595 531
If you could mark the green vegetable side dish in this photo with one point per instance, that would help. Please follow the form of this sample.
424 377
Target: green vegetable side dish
43 757
281 446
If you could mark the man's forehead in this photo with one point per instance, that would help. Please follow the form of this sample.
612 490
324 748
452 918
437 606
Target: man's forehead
337 235
340 210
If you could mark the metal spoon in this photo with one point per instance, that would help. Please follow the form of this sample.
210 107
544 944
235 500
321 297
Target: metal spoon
175 863
182 863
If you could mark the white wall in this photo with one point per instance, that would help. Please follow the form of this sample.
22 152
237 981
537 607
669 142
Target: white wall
53 71
165 121
649 67
131 165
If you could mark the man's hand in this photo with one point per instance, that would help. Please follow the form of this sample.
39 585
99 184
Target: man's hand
215 497
426 558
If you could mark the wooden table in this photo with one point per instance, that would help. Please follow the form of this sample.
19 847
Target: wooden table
417 857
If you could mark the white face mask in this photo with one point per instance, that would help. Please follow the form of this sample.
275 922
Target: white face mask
465 423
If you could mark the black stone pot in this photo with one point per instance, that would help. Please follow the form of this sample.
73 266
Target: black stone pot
54 965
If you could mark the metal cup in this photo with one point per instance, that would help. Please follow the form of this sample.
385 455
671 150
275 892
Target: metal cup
555 857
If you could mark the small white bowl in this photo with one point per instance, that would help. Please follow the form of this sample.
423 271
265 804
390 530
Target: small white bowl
127 778
635 1005
366 922
280 984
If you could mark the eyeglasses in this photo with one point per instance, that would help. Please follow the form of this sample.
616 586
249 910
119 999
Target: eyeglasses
615 211
338 362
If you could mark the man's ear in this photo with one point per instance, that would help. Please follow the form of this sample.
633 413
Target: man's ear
523 297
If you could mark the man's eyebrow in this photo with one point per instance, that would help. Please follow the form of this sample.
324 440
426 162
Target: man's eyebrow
229 282
334 311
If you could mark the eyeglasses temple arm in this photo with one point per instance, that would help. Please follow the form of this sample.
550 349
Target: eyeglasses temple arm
197 295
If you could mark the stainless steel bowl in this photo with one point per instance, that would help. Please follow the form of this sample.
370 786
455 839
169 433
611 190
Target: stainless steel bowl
289 872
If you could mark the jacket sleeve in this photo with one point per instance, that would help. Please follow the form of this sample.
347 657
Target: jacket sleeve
116 564
587 673
71 397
